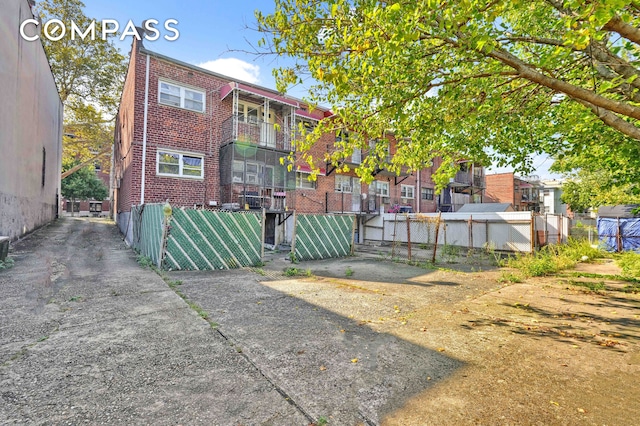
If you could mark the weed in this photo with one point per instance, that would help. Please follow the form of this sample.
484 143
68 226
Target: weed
449 253
43 338
260 271
349 271
6 263
259 264
144 261
553 258
297 272
322 421
292 257
75 299
423 246
172 283
592 286
509 277
630 264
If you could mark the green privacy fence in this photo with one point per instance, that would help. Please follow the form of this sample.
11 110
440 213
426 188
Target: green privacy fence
148 225
202 240
192 239
322 236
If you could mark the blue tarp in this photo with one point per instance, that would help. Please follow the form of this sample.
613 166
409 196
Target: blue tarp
629 233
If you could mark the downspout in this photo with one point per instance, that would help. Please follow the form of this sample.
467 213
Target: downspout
144 132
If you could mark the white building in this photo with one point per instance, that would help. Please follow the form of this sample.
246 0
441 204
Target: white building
551 193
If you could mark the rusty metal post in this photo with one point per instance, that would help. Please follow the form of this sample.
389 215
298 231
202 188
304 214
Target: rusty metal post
435 244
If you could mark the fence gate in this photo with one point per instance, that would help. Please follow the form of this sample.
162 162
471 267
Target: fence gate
322 236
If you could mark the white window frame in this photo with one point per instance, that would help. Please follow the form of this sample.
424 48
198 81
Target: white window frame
302 179
181 164
343 184
183 98
381 188
406 189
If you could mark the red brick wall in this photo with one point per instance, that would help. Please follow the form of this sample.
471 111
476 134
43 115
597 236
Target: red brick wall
500 188
200 133
170 128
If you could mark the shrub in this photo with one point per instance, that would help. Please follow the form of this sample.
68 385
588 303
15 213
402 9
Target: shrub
630 264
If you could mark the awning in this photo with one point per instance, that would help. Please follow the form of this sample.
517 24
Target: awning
305 168
229 88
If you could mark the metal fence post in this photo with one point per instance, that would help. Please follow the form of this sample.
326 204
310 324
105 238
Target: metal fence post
409 238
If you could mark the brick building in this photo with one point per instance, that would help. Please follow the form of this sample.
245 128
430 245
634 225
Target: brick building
207 140
522 193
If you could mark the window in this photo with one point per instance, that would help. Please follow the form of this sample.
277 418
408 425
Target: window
381 188
407 191
427 193
247 113
178 164
343 184
178 96
252 173
44 164
303 182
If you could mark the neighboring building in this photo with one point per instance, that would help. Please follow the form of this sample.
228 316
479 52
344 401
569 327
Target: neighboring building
206 140
552 193
466 187
30 128
95 208
522 193
486 208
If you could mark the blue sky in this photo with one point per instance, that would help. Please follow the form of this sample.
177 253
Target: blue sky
216 34
213 34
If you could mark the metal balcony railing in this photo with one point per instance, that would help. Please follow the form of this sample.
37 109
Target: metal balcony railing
235 129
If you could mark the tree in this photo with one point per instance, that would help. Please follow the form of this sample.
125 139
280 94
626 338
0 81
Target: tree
82 185
486 80
89 74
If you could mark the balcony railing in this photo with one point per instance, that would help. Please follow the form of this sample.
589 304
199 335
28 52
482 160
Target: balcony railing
260 133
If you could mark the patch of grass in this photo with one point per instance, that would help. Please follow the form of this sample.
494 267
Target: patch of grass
297 272
292 257
449 253
509 277
630 264
349 271
75 299
260 271
6 263
554 258
605 276
144 261
592 286
322 421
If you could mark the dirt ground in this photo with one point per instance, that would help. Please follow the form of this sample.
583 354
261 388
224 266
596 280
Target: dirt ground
539 352
87 335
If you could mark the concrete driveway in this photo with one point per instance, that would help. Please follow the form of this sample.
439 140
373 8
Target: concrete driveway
87 335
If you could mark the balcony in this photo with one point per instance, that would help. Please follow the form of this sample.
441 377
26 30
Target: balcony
255 132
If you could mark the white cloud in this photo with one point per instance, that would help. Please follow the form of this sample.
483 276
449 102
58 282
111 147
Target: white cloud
234 68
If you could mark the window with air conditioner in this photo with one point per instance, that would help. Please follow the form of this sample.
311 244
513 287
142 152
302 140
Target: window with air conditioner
343 184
